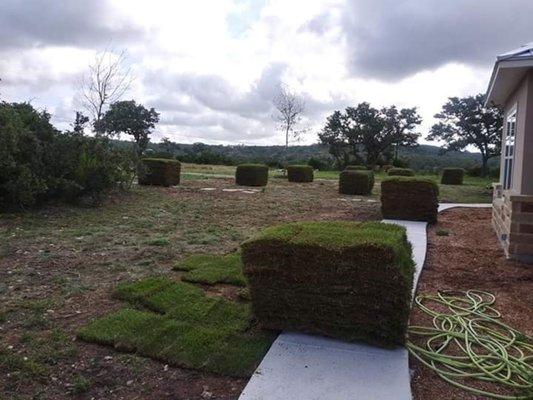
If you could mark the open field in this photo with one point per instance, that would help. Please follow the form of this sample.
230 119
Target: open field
60 266
474 190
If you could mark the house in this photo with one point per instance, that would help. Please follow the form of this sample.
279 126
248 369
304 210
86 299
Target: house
511 88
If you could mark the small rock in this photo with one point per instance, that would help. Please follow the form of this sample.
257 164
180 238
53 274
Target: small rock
128 383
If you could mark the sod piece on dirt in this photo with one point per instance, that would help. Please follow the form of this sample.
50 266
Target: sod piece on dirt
177 323
300 173
212 268
356 182
251 175
410 199
452 176
356 168
341 279
400 172
159 171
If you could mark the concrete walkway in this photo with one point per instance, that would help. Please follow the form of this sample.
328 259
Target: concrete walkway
304 367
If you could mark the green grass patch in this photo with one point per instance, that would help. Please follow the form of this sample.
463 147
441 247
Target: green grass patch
21 367
177 323
211 269
160 241
442 232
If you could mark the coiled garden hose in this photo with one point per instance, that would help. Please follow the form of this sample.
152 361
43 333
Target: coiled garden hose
468 342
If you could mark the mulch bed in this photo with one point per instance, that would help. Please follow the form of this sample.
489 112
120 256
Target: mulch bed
470 258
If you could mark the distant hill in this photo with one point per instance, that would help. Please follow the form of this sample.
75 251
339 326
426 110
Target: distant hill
422 157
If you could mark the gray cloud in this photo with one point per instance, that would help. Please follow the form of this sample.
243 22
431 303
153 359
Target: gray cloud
391 39
35 23
215 93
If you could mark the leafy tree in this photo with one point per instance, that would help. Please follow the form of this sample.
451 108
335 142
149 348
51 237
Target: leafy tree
132 119
402 124
467 122
369 135
80 122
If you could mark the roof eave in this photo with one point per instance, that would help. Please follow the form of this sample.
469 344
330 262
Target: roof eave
522 62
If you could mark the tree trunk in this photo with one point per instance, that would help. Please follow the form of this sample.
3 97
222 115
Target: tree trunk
287 138
484 165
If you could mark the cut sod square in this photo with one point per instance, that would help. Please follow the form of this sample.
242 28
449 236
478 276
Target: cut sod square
177 323
345 280
159 171
410 199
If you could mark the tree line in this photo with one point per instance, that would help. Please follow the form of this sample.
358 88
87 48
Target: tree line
370 136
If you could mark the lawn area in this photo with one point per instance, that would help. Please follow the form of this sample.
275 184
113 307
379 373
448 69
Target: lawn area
60 268
69 273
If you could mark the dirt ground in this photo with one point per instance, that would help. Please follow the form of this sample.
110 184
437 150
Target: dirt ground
59 265
469 257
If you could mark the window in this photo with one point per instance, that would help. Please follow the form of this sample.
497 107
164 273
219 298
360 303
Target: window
509 150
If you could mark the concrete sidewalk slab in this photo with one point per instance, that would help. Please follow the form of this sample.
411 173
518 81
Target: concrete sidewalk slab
305 367
447 206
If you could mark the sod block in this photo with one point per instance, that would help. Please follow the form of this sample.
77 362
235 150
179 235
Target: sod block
159 171
401 172
176 323
356 168
341 279
356 182
409 199
452 176
300 173
251 175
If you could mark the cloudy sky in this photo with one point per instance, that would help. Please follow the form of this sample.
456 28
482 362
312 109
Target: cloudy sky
212 67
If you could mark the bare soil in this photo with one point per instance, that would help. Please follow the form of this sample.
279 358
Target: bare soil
470 258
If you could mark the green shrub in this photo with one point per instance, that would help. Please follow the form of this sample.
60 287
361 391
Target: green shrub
37 162
452 176
409 199
401 172
387 167
300 173
356 168
333 279
251 175
159 171
356 182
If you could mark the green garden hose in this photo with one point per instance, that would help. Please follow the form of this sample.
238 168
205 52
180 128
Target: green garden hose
468 343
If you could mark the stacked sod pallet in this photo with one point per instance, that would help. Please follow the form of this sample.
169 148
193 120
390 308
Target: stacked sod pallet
251 175
159 171
300 173
341 279
356 168
401 172
409 199
356 182
452 176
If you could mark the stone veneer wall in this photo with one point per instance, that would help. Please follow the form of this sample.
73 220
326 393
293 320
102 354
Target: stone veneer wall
512 218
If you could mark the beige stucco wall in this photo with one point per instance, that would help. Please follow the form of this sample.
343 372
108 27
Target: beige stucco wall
527 153
522 98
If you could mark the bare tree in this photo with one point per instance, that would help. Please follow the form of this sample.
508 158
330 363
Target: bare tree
290 108
106 81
